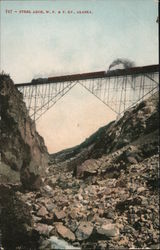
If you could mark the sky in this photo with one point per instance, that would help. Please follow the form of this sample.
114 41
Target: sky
43 45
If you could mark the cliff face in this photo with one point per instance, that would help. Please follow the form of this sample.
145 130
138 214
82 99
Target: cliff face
24 155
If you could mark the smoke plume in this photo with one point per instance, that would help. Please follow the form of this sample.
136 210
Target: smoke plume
126 63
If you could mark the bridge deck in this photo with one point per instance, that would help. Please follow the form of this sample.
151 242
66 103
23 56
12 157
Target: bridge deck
94 75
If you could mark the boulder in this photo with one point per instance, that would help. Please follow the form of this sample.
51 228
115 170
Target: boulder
88 168
59 215
42 211
43 229
84 230
64 232
109 230
57 243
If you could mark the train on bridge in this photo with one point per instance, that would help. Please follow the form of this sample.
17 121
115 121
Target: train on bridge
98 74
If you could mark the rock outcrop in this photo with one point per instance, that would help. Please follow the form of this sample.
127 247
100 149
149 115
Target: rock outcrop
23 161
24 155
16 224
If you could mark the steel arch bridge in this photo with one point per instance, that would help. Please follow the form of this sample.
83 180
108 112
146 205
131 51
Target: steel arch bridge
118 89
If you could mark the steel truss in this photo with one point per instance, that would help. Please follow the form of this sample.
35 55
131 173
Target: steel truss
40 98
118 92
122 92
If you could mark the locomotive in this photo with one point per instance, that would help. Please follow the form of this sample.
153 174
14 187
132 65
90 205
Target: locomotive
39 80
